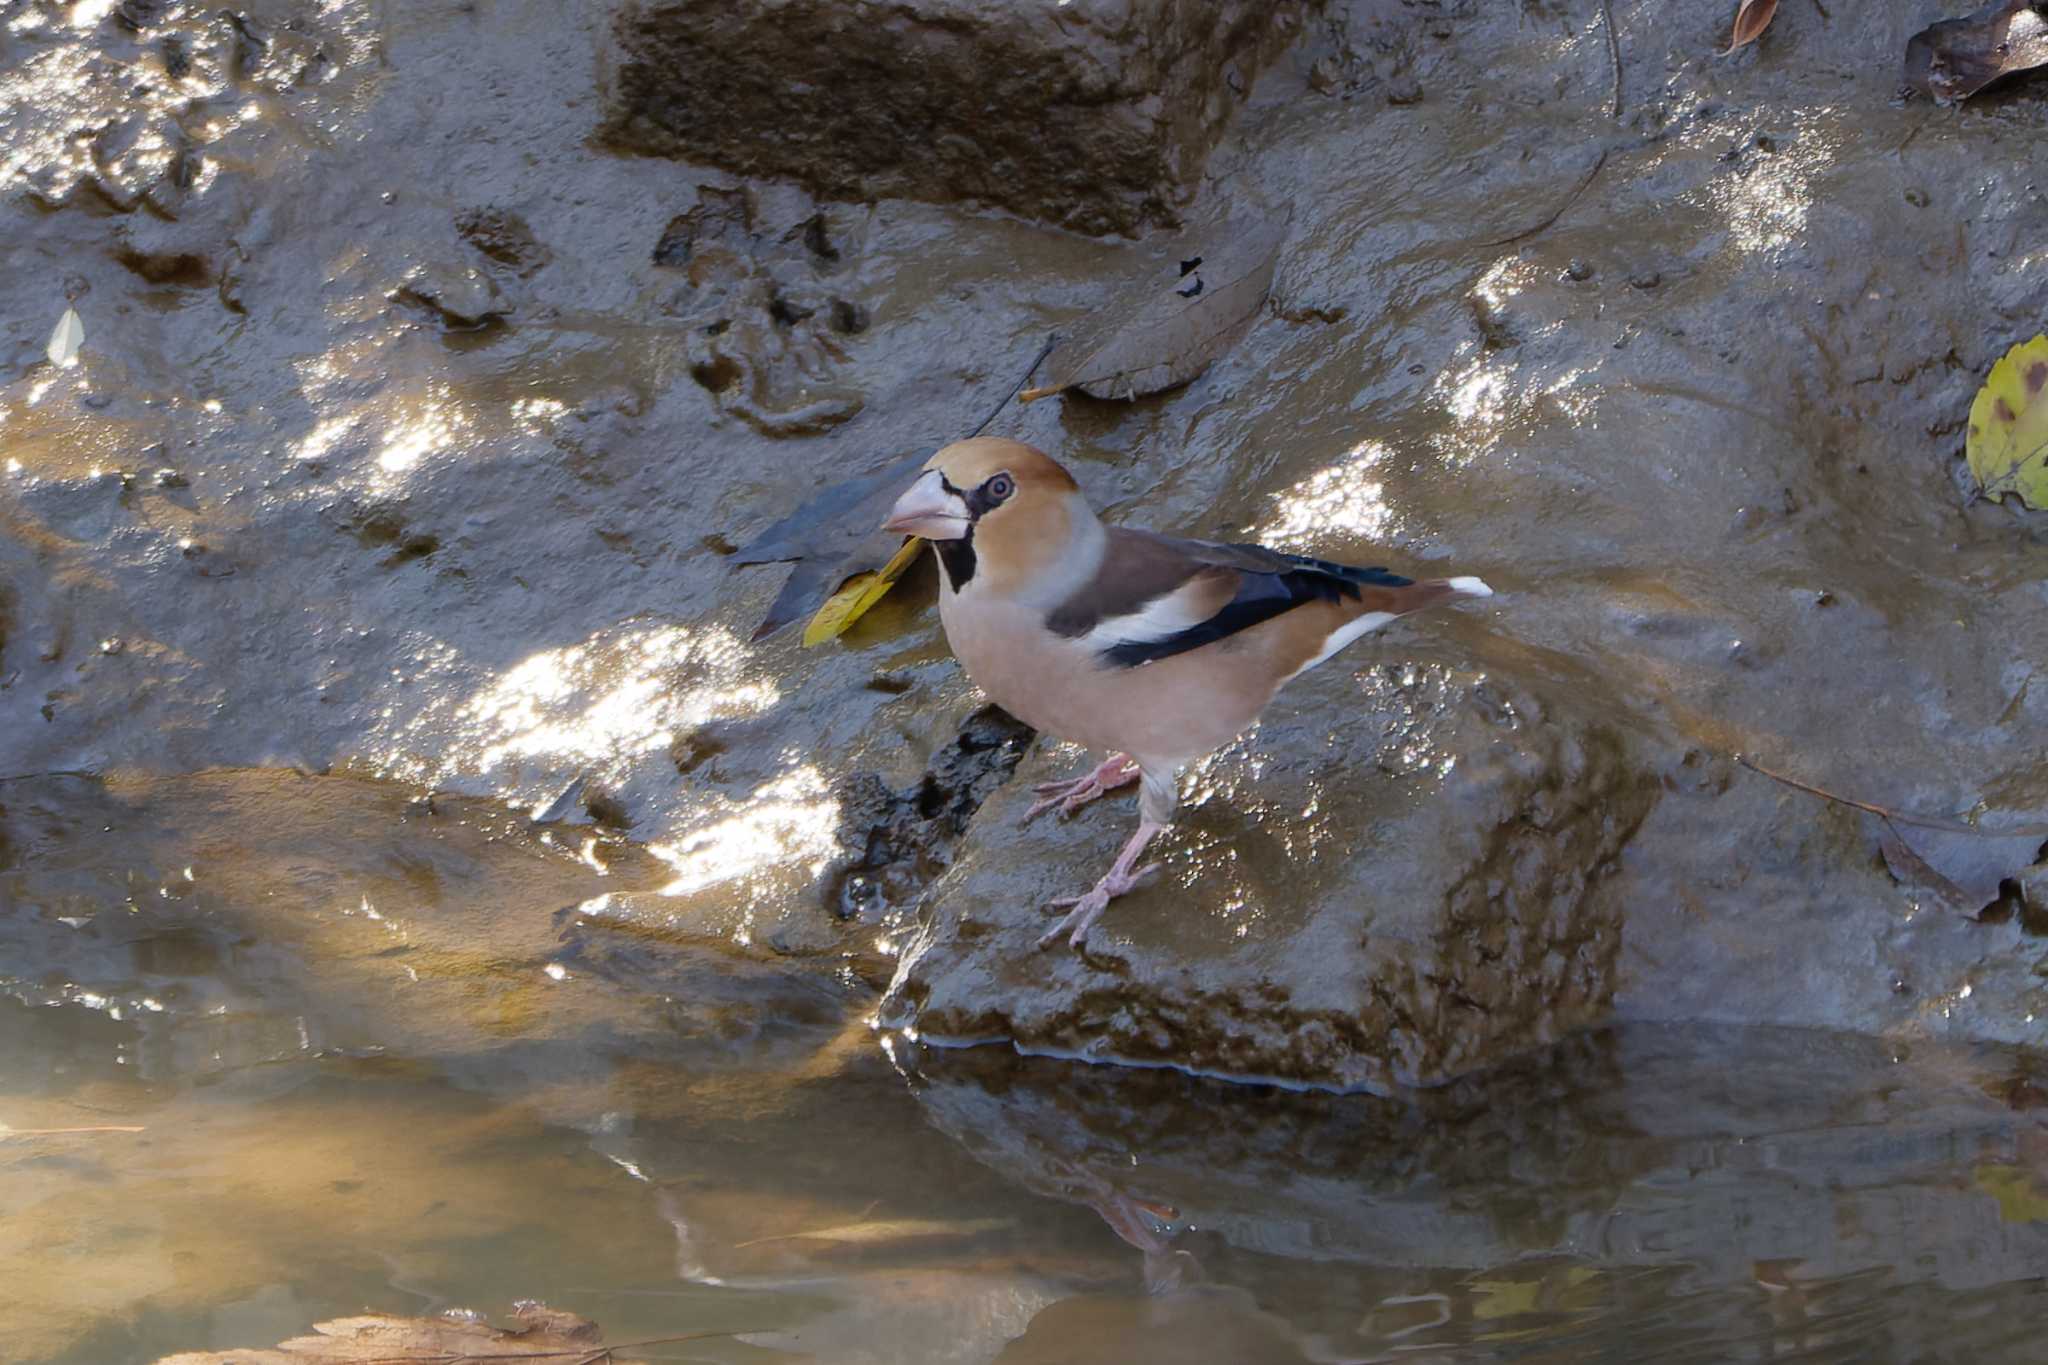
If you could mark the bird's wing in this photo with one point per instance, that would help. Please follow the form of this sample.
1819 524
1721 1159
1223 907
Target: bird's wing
1156 596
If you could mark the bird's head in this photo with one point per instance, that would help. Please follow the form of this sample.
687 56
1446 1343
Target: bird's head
1013 505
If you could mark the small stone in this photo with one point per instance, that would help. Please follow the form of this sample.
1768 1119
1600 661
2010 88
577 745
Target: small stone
1917 198
171 478
461 297
112 645
1579 269
1645 279
1404 89
1324 77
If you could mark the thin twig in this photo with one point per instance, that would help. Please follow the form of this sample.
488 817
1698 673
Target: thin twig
1559 211
6 1133
1613 53
1016 388
1886 813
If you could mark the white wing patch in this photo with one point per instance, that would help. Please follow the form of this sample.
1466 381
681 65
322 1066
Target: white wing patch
1344 635
1161 618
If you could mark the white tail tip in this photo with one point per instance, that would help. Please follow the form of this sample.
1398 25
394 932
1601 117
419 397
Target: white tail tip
1470 586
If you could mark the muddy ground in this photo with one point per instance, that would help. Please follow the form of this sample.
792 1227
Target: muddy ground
400 449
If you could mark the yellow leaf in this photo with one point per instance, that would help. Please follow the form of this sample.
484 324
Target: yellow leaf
1504 1298
2008 443
857 594
2019 1198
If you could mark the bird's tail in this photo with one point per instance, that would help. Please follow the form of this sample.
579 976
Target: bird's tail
1434 592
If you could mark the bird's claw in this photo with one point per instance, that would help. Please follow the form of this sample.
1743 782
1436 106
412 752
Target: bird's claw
1068 796
1083 910
1075 792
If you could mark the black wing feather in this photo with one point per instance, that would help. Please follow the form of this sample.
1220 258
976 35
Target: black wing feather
1144 566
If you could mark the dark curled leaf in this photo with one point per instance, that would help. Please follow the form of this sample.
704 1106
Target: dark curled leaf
1952 60
1168 329
1751 20
836 534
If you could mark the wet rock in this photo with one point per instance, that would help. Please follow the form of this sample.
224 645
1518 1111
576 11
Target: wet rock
461 298
720 217
1392 899
504 236
1095 117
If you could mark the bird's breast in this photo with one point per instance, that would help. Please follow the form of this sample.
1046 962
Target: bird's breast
1175 709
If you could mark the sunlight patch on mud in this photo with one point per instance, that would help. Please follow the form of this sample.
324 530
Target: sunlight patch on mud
1339 502
590 708
1767 206
789 825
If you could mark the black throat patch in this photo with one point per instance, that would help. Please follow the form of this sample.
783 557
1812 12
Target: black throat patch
956 557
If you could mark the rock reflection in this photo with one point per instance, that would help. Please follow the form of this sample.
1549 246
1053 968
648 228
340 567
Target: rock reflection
1648 1190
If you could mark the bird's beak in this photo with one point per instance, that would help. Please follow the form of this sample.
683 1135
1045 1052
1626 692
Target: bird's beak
927 509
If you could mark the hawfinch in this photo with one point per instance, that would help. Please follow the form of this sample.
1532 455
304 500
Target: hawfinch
1150 648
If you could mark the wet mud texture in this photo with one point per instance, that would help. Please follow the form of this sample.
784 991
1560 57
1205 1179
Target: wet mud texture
1096 117
413 432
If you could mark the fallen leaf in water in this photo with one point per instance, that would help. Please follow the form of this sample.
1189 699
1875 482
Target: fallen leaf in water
1751 19
545 1334
859 593
66 341
2008 441
887 1230
1952 60
1170 329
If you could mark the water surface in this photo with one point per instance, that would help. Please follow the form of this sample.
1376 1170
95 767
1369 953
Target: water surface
391 1055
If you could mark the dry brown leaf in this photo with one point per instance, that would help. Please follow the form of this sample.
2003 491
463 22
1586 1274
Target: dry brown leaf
885 1230
1954 59
545 1334
1752 17
1169 330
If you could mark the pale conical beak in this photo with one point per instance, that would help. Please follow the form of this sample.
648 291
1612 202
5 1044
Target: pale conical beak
927 509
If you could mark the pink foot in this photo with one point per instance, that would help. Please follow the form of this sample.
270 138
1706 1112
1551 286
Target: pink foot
1070 796
1084 910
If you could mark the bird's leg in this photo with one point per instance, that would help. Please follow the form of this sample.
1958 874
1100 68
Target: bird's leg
1088 908
1071 795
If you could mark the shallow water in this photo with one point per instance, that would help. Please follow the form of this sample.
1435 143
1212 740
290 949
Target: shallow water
373 1067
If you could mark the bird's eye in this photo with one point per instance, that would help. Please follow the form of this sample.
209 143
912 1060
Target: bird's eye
1000 487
